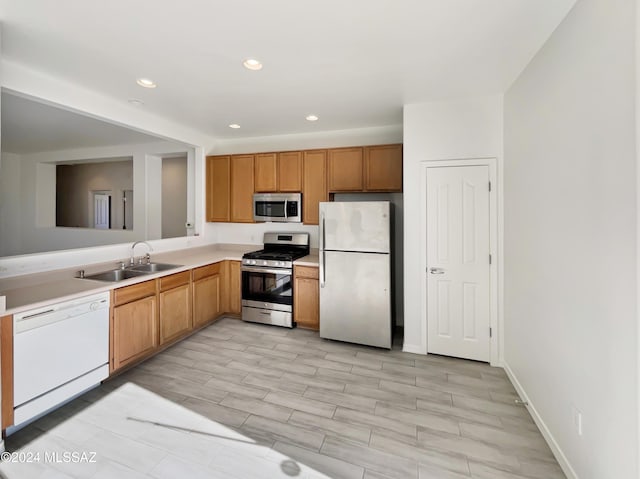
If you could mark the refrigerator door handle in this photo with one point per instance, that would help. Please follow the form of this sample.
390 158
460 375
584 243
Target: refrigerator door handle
322 259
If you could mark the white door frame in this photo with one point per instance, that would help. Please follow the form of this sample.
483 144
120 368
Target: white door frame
495 241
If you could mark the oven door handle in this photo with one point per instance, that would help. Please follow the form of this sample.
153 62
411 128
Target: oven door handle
250 269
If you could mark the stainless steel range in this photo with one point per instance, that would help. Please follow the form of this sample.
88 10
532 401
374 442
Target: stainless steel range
267 279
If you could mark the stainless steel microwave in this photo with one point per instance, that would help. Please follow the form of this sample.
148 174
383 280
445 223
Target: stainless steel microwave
277 207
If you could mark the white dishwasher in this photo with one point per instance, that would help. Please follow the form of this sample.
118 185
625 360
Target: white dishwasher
59 351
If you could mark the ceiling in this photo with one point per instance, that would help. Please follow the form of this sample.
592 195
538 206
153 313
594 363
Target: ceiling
352 63
33 127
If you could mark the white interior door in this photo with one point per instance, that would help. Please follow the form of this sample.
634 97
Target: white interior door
458 262
102 211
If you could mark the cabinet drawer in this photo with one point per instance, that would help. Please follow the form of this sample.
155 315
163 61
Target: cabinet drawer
174 280
205 271
306 272
133 292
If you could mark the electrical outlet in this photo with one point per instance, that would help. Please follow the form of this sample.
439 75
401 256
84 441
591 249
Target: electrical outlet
577 420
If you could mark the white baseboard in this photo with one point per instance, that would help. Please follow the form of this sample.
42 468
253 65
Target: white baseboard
413 348
546 433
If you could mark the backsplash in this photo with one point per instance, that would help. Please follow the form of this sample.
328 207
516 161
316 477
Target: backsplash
251 233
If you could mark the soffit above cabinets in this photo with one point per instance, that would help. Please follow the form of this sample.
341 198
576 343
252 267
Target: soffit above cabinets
353 64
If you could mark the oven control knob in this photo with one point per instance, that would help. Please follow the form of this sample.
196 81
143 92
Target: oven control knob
253 261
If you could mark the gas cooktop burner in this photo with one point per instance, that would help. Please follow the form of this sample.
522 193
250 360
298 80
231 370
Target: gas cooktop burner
276 255
280 250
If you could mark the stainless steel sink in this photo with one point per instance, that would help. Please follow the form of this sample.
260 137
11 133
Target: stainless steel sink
115 275
154 267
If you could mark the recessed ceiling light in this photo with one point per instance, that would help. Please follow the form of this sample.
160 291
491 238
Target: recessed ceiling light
135 102
145 82
252 64
311 118
234 126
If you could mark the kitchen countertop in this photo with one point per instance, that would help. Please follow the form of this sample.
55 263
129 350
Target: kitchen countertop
40 289
309 260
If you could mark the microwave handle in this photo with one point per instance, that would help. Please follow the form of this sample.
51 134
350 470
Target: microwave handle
285 209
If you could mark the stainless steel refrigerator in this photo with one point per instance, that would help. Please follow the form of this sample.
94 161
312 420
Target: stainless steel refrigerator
355 272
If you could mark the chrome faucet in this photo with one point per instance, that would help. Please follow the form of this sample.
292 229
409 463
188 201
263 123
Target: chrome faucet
132 261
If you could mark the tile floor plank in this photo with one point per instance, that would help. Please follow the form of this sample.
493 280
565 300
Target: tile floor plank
379 461
334 427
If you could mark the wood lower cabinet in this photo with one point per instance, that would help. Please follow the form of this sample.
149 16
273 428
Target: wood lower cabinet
134 325
306 297
242 177
344 170
207 291
218 188
383 168
314 184
235 288
174 301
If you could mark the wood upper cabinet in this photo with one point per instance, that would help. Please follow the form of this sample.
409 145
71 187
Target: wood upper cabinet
232 180
218 188
345 166
278 172
314 184
206 294
306 297
290 171
134 324
383 168
174 302
266 172
242 188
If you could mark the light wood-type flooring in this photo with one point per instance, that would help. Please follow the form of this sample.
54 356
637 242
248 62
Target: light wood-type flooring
241 400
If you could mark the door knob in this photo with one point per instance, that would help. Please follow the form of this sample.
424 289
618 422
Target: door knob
436 271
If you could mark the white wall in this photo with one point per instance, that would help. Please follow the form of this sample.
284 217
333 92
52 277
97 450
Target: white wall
174 197
10 217
459 129
570 239
152 197
307 141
